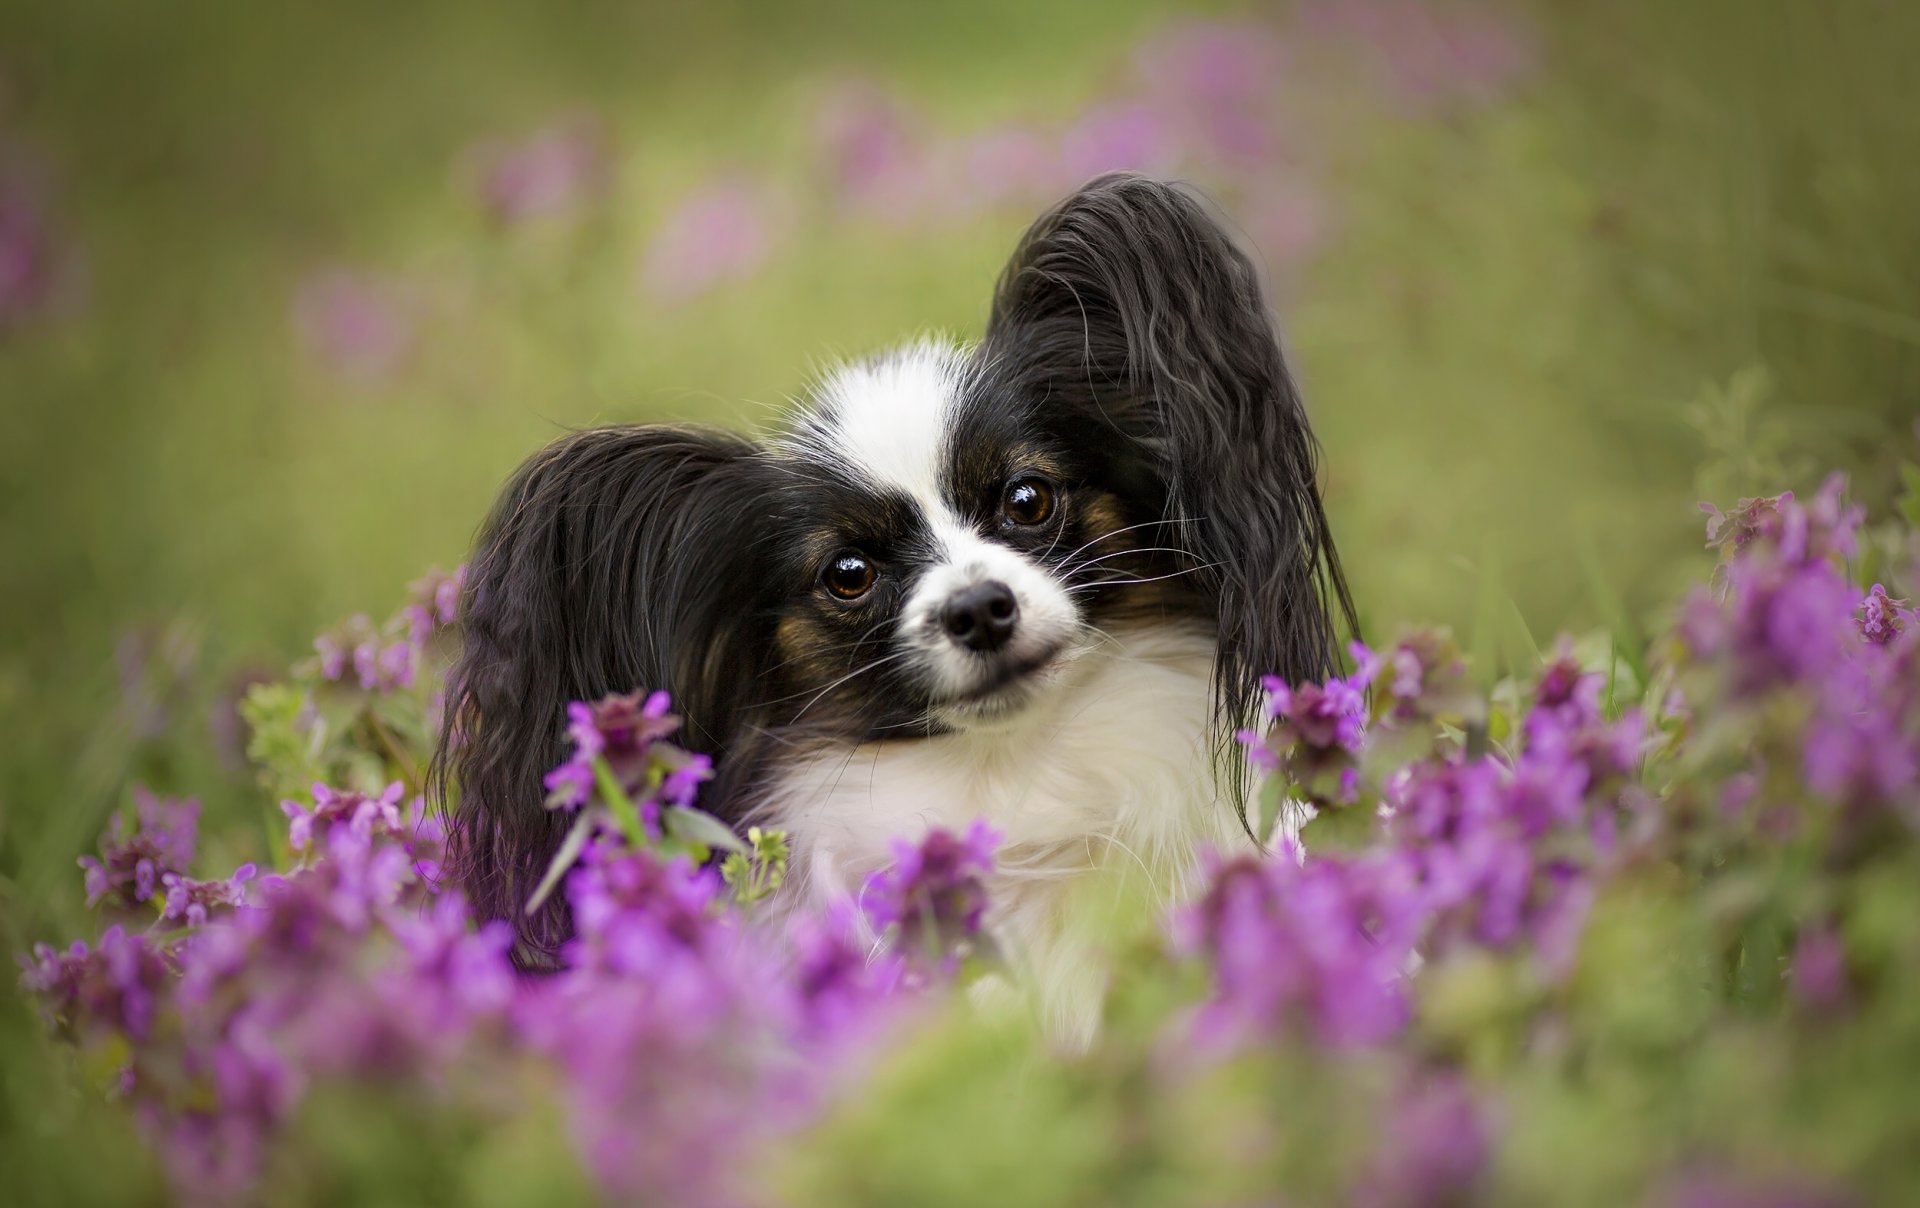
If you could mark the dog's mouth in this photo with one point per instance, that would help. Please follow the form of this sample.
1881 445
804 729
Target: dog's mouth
1009 684
1009 673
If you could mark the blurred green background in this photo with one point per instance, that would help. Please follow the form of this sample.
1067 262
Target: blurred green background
286 290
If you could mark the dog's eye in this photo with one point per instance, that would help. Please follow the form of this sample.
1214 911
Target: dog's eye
1028 501
848 575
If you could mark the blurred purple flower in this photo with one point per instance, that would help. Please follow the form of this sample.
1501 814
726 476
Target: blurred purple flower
135 856
555 173
355 325
1881 618
1819 971
365 816
27 260
934 897
719 233
117 985
1219 81
1427 57
191 903
1319 948
1007 164
872 148
1121 135
434 603
1434 1150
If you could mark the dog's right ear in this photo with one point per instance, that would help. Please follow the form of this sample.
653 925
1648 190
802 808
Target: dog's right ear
616 559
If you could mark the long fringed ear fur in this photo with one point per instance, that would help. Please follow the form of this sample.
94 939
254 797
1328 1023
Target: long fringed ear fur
1130 305
616 559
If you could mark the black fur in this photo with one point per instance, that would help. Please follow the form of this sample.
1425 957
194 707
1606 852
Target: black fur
600 570
1131 310
1129 356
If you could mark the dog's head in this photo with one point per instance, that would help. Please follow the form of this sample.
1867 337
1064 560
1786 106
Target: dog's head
935 542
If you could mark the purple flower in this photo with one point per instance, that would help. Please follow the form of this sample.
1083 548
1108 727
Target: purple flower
1317 731
1428 58
1220 80
1881 619
27 260
1434 1151
116 986
355 325
555 173
434 604
1819 971
1318 949
872 149
364 815
1424 676
134 859
1123 135
191 903
1824 529
626 731
934 896
721 232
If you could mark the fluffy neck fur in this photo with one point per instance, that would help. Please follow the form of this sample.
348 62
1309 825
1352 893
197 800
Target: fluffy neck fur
1104 795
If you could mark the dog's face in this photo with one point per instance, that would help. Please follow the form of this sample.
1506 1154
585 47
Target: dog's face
951 549
934 544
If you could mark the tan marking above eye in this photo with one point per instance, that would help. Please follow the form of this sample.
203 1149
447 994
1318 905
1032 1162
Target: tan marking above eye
1028 501
849 575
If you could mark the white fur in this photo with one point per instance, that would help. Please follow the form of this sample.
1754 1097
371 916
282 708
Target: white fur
887 419
1106 778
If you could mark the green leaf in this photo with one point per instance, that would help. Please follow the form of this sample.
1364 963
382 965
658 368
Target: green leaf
1272 797
1341 828
570 849
697 826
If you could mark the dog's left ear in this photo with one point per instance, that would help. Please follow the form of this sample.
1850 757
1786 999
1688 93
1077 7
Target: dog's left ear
1130 305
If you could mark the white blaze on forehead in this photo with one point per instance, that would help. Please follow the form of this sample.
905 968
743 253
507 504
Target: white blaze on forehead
889 419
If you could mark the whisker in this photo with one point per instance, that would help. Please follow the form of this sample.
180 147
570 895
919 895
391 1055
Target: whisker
879 662
1128 529
1121 553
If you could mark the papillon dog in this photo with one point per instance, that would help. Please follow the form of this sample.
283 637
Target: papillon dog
1034 580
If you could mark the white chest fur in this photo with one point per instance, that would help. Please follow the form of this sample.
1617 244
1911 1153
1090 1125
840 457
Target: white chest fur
1102 788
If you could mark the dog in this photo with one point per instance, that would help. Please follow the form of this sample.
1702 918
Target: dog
1033 580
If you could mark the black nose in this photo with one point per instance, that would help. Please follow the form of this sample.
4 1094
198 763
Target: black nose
981 617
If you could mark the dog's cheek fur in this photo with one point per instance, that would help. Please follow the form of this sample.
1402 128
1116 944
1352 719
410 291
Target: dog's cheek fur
613 561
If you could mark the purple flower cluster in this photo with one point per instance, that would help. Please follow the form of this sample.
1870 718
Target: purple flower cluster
686 1031
934 897
1318 950
1316 736
552 175
1474 852
1214 100
359 326
389 658
137 857
1783 620
626 733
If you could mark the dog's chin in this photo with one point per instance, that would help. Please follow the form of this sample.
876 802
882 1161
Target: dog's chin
1008 689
